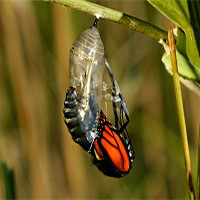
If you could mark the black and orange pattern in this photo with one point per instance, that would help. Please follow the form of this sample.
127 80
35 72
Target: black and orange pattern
111 148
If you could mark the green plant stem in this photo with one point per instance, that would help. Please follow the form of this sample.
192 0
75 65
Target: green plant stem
8 181
128 21
180 110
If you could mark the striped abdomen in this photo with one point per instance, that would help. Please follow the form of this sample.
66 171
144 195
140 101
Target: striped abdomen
71 118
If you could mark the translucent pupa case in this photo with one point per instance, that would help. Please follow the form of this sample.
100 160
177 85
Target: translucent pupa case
87 65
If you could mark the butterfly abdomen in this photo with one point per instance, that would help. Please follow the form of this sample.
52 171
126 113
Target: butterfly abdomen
70 112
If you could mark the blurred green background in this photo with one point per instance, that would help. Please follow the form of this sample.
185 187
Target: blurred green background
35 38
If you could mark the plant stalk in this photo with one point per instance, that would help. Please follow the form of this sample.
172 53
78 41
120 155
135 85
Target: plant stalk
8 181
103 12
181 115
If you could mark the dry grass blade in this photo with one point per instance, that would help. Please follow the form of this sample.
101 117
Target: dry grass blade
25 107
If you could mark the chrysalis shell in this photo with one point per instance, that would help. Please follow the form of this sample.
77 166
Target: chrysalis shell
87 64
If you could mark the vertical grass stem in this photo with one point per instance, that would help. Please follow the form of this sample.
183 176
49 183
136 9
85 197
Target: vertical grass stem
181 115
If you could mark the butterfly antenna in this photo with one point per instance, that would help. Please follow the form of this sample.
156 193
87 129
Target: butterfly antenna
95 22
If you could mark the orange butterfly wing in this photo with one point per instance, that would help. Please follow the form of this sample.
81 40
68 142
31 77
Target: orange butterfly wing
111 143
115 149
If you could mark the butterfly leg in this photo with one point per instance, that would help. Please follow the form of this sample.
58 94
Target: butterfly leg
123 127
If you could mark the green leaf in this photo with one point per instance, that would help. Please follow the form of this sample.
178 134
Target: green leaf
185 69
8 180
189 75
177 11
194 8
181 42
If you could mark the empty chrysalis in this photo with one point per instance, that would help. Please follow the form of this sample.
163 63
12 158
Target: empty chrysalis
87 65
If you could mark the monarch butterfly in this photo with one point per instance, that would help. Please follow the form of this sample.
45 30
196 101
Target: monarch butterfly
109 145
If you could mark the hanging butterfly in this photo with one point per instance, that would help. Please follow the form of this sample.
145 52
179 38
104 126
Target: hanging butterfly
109 145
